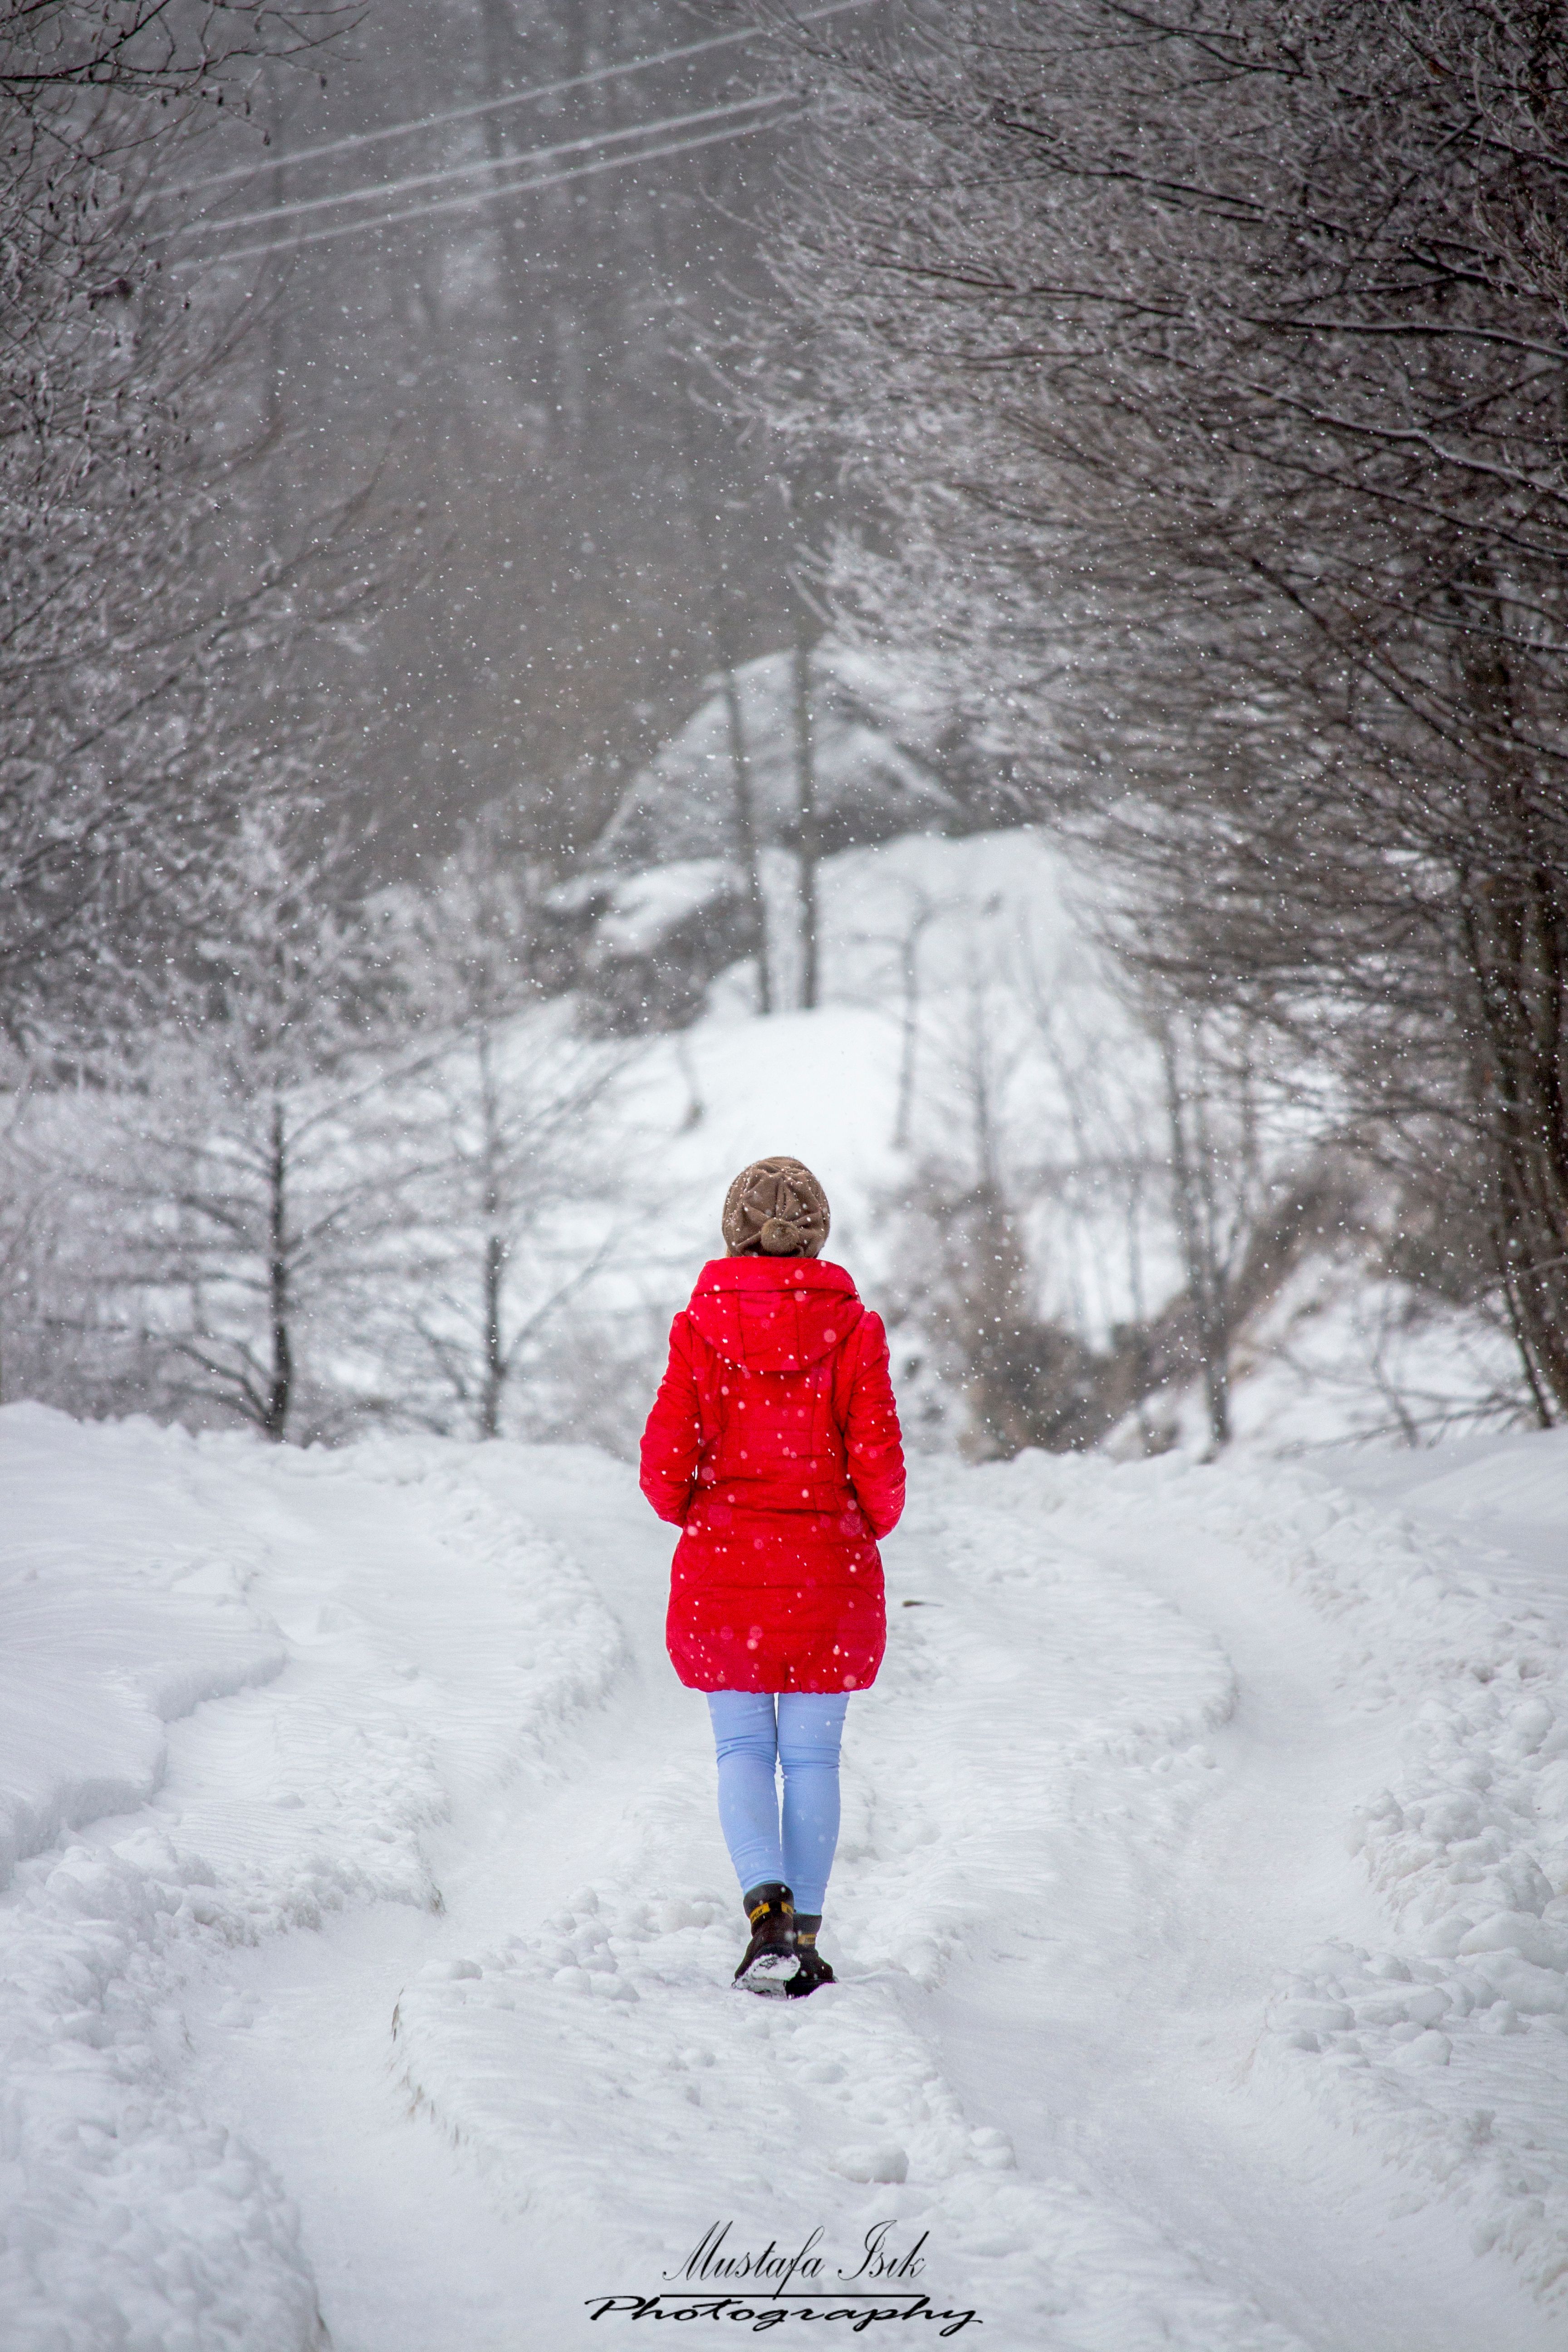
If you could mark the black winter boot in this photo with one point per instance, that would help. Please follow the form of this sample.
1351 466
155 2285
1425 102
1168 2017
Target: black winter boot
769 1957
813 1969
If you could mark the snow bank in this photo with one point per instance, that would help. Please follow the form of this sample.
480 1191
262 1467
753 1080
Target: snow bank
391 1641
122 1607
1450 2038
1457 2033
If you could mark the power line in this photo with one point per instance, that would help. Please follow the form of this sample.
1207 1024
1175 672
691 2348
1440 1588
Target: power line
383 188
494 105
483 196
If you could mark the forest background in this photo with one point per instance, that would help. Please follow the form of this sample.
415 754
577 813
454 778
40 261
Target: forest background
579 577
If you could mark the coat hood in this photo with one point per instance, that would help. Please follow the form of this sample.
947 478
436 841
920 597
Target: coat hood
774 1314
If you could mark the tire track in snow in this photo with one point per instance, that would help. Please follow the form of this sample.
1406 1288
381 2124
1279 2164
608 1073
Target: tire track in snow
708 2105
1430 1733
1047 1767
135 2215
1449 2038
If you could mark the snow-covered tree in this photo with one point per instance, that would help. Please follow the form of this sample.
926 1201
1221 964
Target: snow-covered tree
148 620
253 1166
1106 1196
521 1189
1210 363
518 1133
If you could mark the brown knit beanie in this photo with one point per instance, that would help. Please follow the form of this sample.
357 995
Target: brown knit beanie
776 1208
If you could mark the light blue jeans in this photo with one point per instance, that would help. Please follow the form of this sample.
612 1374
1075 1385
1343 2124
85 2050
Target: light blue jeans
754 1731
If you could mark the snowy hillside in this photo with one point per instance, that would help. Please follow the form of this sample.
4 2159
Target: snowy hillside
1201 1913
881 735
1077 1209
969 1034
803 754
989 1114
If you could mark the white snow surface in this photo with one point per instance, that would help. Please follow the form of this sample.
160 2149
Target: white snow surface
1201 1914
985 914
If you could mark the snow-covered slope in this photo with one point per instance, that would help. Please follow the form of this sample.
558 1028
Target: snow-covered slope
879 734
932 951
968 1031
1201 1913
352 1645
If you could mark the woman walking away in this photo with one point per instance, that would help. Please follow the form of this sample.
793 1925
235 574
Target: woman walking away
773 1445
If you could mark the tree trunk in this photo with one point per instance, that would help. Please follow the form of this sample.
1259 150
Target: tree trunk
531 318
746 834
279 1395
494 1386
988 1174
277 182
1193 1202
1513 907
492 1272
909 1042
805 774
720 633
1519 949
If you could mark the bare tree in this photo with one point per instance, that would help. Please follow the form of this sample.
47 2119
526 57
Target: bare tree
746 830
255 1169
1235 336
1224 1195
519 1176
515 1118
1106 1198
133 615
27 1197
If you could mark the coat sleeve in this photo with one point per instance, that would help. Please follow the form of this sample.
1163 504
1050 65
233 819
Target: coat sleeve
872 1439
673 1437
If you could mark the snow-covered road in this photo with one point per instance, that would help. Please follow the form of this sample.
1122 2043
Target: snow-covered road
1201 1912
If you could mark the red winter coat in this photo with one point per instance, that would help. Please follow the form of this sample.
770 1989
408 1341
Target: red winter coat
773 1444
